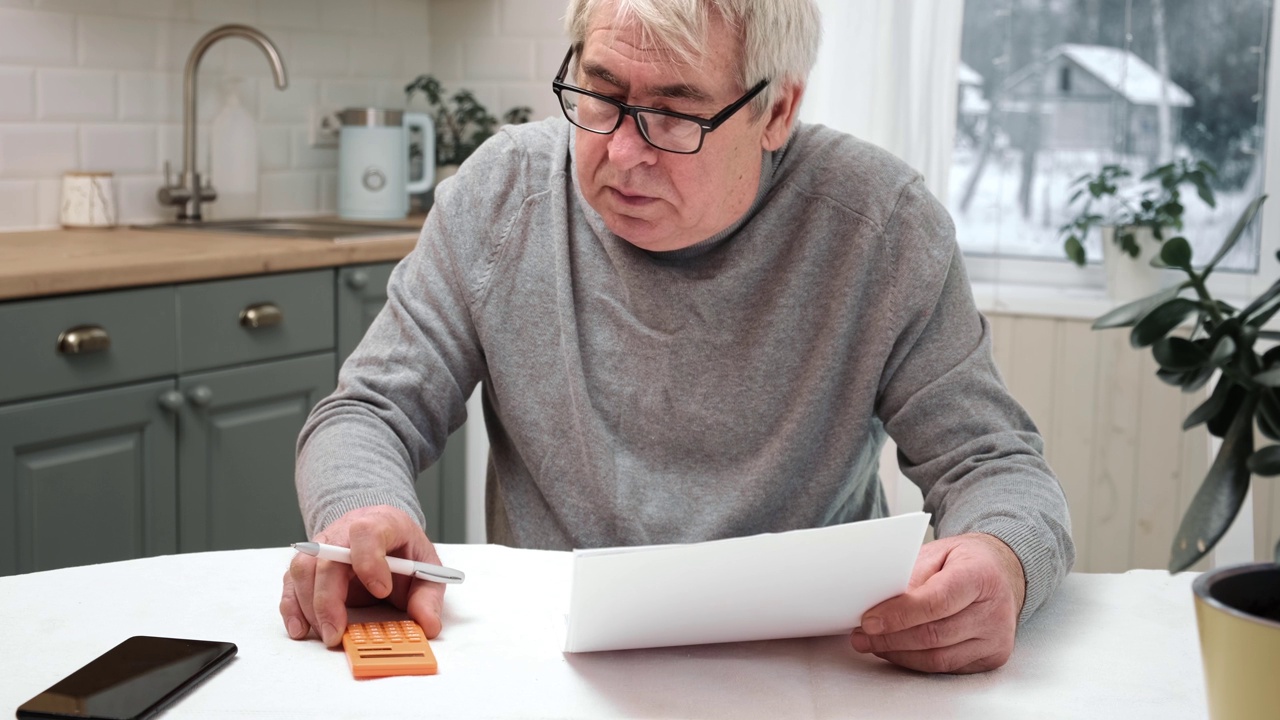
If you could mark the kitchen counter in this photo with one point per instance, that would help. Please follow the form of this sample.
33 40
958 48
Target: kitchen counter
57 262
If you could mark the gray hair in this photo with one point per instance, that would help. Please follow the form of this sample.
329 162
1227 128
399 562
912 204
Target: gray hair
779 38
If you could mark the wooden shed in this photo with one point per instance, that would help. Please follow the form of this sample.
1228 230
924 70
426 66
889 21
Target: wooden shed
1092 97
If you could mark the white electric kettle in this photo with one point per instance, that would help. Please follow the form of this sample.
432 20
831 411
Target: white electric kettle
373 162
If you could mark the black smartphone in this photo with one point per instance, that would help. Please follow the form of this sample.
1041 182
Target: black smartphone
133 680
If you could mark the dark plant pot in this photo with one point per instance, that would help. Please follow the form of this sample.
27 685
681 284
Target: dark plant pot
1238 613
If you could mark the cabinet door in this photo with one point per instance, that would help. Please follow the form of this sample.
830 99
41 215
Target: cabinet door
87 478
361 293
236 452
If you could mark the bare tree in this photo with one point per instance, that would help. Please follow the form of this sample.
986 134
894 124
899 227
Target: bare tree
1033 128
1164 114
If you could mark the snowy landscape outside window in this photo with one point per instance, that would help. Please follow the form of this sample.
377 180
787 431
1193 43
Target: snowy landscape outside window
1050 90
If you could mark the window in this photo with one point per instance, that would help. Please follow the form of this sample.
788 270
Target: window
1070 85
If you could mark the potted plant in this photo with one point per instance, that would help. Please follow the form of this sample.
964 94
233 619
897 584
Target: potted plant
1137 216
1237 608
461 122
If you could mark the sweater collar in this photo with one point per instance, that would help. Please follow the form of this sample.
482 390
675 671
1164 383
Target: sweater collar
769 162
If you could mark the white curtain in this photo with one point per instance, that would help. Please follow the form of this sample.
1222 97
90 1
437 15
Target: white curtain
886 73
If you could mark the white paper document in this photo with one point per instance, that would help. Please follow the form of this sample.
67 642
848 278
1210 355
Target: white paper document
801 583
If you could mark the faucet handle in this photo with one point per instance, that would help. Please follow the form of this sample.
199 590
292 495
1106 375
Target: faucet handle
167 181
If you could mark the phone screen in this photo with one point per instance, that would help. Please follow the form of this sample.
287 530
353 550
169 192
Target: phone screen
132 680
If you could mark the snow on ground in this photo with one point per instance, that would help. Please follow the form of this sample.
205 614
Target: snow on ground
994 223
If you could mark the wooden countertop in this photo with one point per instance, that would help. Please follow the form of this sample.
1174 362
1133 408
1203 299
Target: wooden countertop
57 262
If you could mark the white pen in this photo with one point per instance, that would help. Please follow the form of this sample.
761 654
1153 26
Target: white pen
399 566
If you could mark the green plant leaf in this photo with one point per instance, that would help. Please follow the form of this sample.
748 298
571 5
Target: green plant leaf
1211 407
1193 381
1220 423
1234 236
1269 414
1269 378
1223 352
1161 320
1169 377
1130 313
1179 354
1266 462
1176 252
1220 495
1074 250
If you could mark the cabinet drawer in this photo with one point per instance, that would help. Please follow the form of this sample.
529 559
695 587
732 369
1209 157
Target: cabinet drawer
233 321
71 343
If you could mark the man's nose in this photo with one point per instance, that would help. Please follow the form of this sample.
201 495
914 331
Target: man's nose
628 148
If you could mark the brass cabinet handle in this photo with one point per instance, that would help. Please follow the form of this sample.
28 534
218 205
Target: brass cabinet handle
357 280
171 400
261 315
200 395
83 339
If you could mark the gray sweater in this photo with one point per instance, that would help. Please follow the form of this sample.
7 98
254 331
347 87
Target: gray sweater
744 385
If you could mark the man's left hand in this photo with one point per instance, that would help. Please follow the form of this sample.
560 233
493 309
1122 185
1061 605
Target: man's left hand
959 613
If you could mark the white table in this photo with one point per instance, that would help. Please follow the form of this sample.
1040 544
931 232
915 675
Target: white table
1106 646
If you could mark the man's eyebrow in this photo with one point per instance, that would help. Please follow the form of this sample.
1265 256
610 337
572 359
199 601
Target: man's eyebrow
674 91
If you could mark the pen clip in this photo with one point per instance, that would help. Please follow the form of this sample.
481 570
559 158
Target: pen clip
439 575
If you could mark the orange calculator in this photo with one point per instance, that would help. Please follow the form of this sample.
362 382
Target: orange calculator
382 649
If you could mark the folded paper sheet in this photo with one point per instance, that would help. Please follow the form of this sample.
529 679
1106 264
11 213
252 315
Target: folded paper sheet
794 584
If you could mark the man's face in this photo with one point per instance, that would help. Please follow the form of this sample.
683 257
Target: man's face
654 199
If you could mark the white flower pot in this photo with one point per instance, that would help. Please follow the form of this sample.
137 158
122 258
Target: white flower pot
1130 278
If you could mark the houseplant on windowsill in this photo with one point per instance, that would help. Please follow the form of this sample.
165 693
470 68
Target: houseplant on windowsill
461 122
1237 608
1138 218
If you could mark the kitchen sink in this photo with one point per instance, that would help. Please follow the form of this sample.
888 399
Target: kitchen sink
297 228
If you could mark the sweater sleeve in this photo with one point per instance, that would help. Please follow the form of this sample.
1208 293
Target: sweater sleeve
971 448
404 389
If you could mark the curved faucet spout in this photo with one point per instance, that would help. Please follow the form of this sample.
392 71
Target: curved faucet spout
189 193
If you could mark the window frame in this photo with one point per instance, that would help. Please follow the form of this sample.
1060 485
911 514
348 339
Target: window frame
1048 272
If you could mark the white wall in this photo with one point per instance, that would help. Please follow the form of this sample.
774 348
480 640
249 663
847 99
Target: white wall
97 85
505 51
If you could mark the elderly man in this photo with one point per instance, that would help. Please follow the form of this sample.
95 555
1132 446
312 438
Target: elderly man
693 319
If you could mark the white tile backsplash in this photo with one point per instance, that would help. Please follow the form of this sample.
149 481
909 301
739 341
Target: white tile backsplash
224 11
318 54
273 147
136 196
99 83
150 97
17 204
75 95
37 38
34 151
498 59
18 94
119 148
290 194
121 43
374 58
345 16
300 14
305 157
532 18
401 18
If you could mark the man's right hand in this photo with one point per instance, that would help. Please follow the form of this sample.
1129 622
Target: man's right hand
318 592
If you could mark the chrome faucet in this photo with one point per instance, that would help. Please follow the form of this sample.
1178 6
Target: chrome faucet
189 193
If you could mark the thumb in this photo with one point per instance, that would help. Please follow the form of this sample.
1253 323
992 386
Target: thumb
426 599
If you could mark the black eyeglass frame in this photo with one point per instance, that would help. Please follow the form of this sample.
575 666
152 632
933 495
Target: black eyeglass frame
625 110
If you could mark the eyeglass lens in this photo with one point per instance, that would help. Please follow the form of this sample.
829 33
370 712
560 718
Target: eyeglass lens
663 131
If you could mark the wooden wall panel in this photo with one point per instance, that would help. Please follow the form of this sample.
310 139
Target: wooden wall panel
1158 476
1069 432
1116 427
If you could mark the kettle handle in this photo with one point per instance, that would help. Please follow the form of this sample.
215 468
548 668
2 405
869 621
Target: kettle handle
423 122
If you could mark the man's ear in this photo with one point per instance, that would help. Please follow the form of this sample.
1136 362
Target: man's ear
782 116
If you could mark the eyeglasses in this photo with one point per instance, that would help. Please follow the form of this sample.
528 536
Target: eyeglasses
670 131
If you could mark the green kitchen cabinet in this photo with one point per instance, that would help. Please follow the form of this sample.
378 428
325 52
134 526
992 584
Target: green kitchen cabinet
88 478
164 419
361 295
236 440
